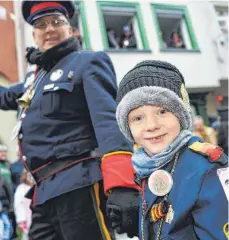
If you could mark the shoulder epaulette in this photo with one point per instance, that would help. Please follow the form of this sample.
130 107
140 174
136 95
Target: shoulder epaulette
212 152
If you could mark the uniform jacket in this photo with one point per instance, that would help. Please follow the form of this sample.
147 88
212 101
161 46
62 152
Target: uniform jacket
72 112
197 197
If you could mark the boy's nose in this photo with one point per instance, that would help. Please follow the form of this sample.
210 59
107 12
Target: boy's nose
152 124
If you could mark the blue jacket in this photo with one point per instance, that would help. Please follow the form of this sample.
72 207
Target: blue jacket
5 227
197 198
72 112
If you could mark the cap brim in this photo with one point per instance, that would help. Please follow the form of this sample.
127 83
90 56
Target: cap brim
46 14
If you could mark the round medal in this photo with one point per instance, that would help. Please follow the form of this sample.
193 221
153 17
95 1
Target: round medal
160 182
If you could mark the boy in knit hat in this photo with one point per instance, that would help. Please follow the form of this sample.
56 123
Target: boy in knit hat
182 178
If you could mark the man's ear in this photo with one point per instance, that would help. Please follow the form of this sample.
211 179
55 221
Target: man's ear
70 31
34 37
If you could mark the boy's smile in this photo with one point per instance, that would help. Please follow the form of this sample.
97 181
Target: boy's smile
153 127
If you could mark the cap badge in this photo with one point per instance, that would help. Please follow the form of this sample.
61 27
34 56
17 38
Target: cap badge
185 97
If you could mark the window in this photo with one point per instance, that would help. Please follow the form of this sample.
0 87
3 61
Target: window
78 22
174 27
121 26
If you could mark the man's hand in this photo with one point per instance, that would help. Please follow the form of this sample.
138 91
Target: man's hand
123 210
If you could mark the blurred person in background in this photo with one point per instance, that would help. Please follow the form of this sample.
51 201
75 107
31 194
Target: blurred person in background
206 133
22 210
16 170
5 224
223 129
7 190
127 39
4 164
77 35
176 40
113 39
6 195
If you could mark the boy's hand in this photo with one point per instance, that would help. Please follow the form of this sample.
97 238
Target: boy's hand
123 210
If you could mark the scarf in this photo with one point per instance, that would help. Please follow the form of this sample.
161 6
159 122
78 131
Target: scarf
144 165
48 59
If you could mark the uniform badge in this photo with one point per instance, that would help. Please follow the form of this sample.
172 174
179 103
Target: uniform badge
185 98
224 179
159 210
225 230
56 75
29 80
170 215
70 74
212 151
160 182
49 86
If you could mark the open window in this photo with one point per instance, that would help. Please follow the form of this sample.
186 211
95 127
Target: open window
122 27
174 27
78 23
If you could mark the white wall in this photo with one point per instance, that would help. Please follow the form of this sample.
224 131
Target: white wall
201 69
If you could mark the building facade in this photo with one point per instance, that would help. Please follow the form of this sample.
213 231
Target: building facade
201 26
190 34
8 71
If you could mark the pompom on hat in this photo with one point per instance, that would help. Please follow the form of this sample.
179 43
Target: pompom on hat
157 83
33 10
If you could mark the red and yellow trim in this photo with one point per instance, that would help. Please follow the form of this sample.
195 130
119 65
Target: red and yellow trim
118 171
100 217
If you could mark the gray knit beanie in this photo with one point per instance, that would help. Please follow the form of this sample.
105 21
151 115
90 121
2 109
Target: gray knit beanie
153 82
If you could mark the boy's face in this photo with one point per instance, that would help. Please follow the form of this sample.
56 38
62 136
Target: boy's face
153 127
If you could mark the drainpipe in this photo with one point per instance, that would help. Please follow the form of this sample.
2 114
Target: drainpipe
19 40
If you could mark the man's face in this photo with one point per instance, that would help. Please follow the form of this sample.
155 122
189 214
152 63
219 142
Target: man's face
198 125
3 155
51 30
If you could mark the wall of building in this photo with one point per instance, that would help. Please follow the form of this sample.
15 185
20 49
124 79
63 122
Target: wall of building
7 123
201 69
8 59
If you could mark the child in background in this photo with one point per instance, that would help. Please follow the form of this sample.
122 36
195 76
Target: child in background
22 205
182 178
5 225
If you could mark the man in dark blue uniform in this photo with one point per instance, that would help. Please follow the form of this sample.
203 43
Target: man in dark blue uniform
67 109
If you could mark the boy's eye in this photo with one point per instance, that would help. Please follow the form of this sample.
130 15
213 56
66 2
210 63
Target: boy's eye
137 118
162 111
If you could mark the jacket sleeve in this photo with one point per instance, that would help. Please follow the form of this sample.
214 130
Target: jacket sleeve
99 82
9 96
211 214
19 204
9 192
